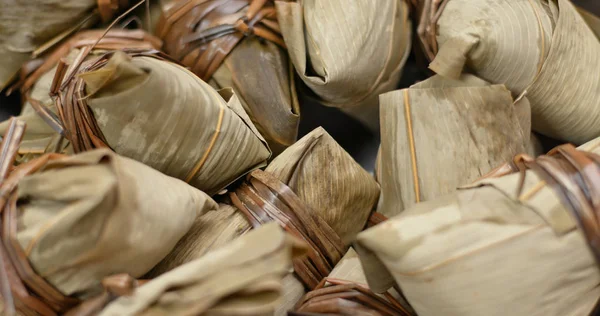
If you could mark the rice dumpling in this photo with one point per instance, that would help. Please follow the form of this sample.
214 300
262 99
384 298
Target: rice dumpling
147 108
329 181
37 79
65 218
531 47
242 278
322 174
519 244
347 53
440 134
237 44
26 26
37 75
332 194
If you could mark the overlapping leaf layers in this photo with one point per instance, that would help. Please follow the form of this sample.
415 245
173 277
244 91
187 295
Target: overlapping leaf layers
347 53
542 49
238 44
314 189
69 222
150 109
440 134
541 221
243 277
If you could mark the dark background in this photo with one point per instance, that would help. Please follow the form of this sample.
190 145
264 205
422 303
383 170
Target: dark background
356 139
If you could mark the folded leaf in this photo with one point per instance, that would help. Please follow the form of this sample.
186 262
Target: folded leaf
157 112
441 134
536 56
540 222
223 42
243 278
209 232
37 79
68 216
347 54
329 181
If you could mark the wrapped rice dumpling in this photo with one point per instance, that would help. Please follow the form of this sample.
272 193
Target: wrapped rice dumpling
530 47
332 194
322 174
440 134
345 292
347 53
154 111
37 75
242 278
26 26
237 44
37 79
69 222
520 244
329 181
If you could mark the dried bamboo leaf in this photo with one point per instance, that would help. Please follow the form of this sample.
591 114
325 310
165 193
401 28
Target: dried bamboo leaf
540 58
329 181
37 75
223 42
349 193
434 140
209 232
71 215
328 41
263 79
470 243
243 278
149 109
37 78
26 25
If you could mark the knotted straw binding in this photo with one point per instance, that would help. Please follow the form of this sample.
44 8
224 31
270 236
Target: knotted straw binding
575 178
28 292
77 119
21 288
344 296
101 40
263 198
201 33
113 40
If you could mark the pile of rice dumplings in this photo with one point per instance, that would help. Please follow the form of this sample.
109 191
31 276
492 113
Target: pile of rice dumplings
158 165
